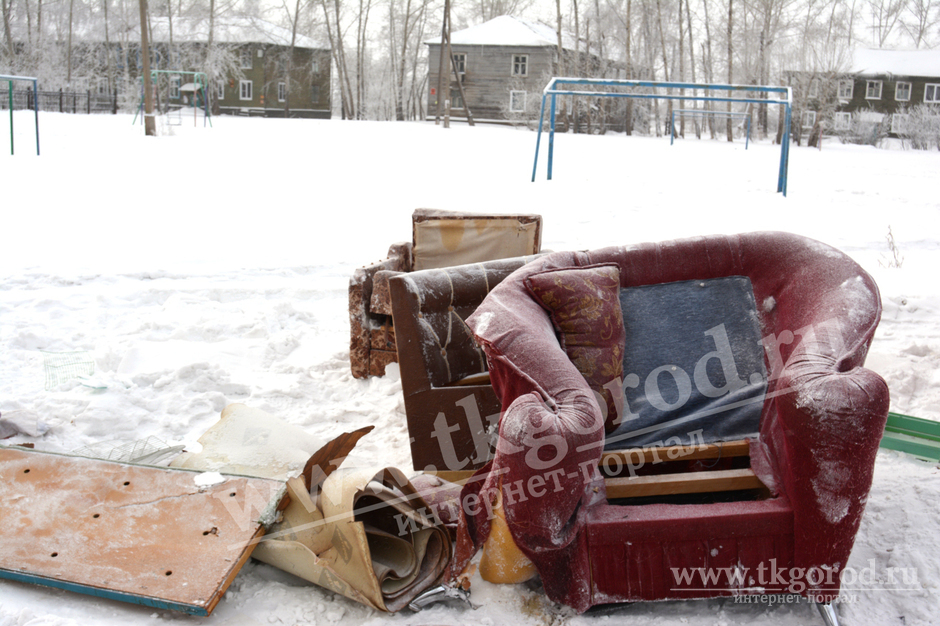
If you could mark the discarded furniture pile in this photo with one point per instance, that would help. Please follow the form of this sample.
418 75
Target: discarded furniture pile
623 423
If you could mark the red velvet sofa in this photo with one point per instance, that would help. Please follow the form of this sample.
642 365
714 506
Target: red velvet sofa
821 416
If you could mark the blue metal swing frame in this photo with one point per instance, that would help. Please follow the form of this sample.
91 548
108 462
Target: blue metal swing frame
556 88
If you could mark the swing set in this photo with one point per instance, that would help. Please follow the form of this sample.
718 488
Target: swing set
200 82
651 90
35 81
703 114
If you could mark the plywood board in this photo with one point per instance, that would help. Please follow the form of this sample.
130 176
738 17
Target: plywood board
660 454
692 482
147 535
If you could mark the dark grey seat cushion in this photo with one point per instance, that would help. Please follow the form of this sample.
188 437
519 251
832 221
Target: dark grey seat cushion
693 361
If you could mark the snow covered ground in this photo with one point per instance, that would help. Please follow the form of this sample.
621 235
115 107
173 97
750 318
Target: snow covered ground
210 266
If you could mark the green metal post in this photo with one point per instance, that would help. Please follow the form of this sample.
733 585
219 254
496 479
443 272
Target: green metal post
36 111
10 93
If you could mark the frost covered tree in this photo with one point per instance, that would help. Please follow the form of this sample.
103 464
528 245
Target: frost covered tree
6 7
406 29
884 15
920 18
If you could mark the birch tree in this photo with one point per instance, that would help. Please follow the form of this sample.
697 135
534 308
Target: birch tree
921 17
728 125
885 15
6 7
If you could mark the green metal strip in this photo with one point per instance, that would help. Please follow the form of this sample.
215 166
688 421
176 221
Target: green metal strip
913 435
914 425
99 592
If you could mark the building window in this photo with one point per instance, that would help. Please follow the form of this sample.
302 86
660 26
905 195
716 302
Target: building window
902 92
245 89
873 90
174 87
813 88
456 102
809 119
520 65
460 62
843 121
314 66
221 91
517 101
246 58
315 93
899 123
845 89
281 92
932 92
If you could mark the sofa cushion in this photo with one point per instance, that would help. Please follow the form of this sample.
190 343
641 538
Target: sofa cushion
584 305
693 361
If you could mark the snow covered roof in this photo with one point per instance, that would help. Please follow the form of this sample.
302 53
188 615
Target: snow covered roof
507 30
870 62
227 30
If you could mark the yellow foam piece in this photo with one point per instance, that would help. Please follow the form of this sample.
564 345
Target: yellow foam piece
502 560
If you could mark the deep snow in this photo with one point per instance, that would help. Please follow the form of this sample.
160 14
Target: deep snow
210 266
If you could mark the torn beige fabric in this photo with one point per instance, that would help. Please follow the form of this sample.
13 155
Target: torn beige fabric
460 241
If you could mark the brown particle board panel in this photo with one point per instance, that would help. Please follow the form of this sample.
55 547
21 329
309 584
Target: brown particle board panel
146 535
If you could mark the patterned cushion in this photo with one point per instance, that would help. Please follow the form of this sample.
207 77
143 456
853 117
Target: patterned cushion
584 304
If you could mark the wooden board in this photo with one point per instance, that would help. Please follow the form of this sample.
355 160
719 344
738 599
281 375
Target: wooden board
693 482
640 456
660 484
620 458
147 535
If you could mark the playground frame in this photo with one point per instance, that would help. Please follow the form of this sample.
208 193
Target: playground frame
703 113
35 81
200 80
660 90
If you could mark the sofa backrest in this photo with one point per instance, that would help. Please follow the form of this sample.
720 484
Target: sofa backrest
429 307
448 238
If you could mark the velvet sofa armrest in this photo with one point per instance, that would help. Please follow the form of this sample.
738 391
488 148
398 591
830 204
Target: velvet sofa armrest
826 413
825 423
551 436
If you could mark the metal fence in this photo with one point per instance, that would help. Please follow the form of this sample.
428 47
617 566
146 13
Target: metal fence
61 101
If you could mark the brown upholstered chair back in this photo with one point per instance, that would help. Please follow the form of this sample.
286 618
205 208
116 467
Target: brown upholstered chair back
443 370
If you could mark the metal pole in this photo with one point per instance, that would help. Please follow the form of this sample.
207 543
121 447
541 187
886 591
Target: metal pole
10 93
784 152
786 162
205 97
747 138
672 126
538 139
551 138
36 110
